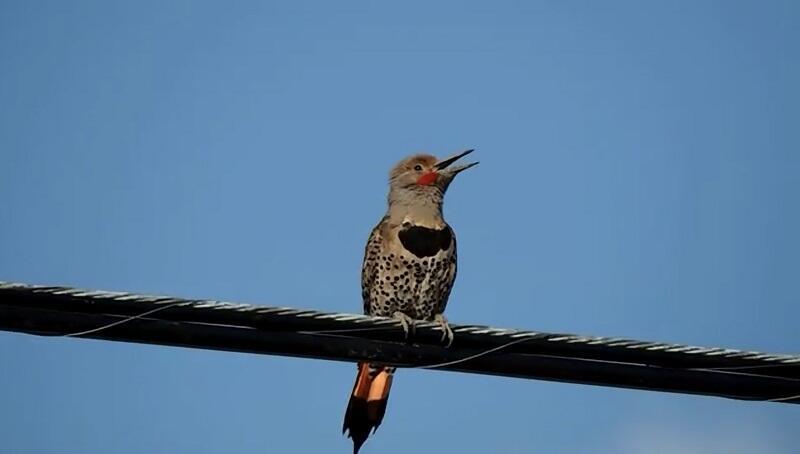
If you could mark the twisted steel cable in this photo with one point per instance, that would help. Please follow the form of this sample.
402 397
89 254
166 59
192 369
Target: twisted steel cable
220 325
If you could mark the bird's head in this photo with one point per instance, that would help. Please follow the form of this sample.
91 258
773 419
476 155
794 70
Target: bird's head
426 173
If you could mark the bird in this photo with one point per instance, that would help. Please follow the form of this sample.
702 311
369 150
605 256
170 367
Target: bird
408 271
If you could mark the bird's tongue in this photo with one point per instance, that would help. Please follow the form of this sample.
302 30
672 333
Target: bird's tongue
427 179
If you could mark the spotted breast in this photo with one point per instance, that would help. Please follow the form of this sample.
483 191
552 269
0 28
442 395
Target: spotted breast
408 269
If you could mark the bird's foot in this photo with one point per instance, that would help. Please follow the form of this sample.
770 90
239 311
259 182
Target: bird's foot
406 322
447 333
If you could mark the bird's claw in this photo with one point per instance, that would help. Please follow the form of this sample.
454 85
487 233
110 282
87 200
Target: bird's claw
447 332
409 328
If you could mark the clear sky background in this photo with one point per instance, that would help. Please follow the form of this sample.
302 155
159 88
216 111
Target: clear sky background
639 177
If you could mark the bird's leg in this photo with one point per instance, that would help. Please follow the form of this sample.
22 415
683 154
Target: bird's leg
406 322
447 333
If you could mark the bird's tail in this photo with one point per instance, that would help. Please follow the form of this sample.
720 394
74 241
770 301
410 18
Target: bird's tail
367 402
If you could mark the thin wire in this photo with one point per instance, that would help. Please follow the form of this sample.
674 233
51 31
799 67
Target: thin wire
346 330
518 341
781 399
471 357
333 333
429 366
119 322
745 374
755 366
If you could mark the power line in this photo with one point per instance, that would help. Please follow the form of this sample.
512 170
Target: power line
625 363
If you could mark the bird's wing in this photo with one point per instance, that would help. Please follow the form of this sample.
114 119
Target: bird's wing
451 276
369 267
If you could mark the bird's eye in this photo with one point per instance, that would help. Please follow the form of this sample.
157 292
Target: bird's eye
417 167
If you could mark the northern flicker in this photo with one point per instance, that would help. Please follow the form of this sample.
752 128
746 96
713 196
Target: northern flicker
408 271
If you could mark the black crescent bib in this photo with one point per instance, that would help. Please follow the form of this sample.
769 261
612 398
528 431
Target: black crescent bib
424 242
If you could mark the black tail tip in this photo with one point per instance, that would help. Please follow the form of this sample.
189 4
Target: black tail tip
358 437
361 419
356 423
357 444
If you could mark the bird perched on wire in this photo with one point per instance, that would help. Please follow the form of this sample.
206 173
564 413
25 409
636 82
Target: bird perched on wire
408 271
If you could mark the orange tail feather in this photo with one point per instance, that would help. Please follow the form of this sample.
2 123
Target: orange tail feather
367 403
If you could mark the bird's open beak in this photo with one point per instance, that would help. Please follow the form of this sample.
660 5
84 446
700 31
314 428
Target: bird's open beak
443 166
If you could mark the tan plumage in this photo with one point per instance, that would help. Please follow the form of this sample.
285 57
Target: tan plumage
408 272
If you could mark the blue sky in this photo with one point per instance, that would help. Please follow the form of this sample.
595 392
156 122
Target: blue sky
639 177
